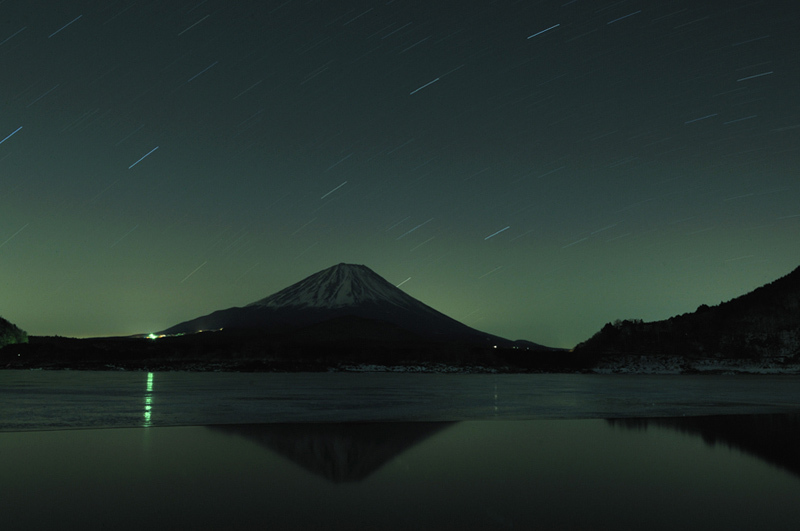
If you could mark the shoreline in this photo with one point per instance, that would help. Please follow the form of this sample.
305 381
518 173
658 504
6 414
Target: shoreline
640 367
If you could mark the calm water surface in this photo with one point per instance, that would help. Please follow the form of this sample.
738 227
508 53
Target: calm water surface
458 452
32 400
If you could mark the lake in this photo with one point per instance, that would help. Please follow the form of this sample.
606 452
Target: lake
397 451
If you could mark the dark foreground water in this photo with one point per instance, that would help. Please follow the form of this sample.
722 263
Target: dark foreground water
485 452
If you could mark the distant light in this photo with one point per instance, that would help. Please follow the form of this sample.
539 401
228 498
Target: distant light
152 336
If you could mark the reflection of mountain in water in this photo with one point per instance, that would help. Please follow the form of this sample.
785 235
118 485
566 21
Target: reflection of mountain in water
774 438
339 452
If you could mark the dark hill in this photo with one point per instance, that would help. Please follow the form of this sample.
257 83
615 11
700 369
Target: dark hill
11 333
764 323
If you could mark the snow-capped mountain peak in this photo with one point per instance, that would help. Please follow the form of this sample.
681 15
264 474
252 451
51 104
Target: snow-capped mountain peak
344 291
340 286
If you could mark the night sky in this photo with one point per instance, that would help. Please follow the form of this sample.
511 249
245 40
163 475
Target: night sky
534 169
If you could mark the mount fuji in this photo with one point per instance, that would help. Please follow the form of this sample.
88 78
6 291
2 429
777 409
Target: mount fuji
344 317
343 301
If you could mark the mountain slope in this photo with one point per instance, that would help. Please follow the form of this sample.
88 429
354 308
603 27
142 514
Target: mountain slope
764 323
11 333
339 286
344 290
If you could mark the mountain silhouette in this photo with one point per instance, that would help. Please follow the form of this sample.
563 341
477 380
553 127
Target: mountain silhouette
11 333
338 452
343 300
346 314
764 323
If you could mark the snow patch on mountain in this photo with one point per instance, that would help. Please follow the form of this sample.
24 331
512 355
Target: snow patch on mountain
350 299
340 286
657 364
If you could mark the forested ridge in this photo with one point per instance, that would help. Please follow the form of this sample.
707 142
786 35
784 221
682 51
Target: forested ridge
10 333
764 323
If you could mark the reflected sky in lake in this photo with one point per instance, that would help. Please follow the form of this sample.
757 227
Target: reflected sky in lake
576 474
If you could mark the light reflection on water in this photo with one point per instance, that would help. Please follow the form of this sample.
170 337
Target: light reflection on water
712 473
148 402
